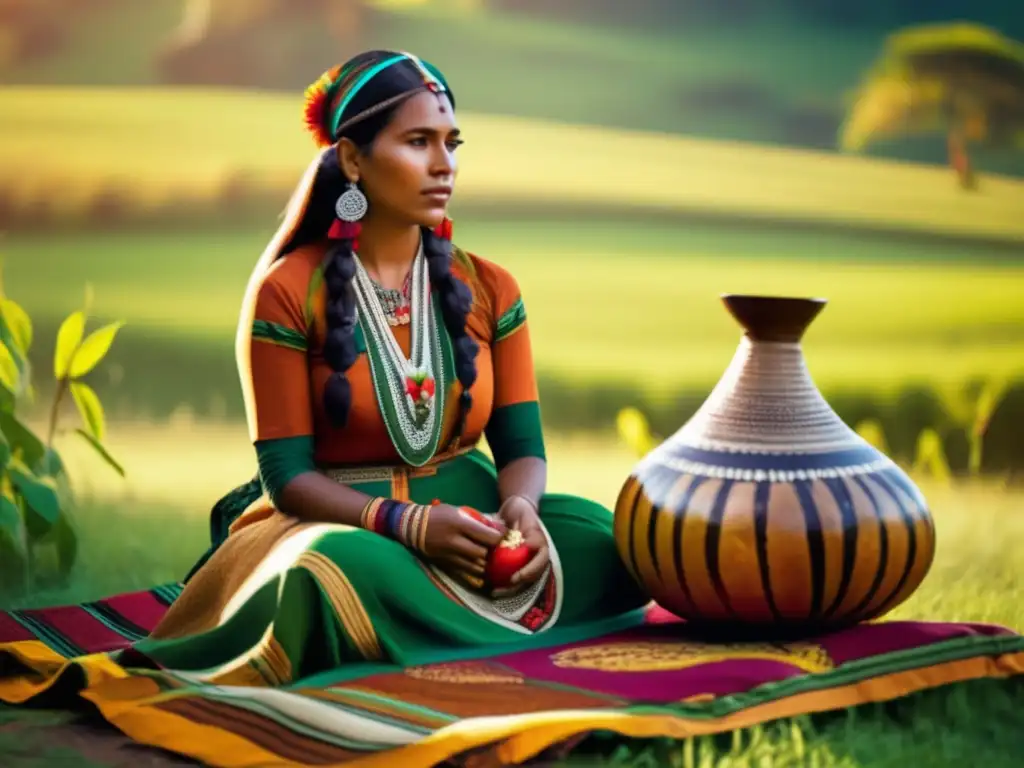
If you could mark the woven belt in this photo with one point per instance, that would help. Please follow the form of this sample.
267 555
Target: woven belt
398 476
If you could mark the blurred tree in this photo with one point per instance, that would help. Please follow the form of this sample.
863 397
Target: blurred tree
964 80
260 43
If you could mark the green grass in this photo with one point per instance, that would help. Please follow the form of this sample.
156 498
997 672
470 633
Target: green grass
607 303
975 723
216 141
175 472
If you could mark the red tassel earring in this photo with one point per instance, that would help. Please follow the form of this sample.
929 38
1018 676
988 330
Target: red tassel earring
344 230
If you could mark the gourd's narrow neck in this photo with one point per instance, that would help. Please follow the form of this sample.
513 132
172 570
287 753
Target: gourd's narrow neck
767 401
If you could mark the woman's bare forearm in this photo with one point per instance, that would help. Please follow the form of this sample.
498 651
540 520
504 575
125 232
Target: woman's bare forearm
315 498
527 477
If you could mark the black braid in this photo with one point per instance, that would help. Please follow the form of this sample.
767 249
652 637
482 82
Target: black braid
340 344
456 302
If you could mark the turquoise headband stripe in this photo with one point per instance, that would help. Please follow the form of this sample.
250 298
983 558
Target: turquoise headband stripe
369 74
428 76
363 80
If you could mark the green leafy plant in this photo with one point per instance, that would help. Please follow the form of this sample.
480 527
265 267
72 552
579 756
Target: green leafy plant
635 431
930 457
38 543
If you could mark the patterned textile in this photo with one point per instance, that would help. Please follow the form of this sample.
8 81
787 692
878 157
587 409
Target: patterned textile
652 680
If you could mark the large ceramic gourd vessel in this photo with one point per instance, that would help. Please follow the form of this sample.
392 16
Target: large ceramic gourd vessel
765 508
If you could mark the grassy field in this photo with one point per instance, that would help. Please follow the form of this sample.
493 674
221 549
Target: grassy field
176 471
160 148
619 305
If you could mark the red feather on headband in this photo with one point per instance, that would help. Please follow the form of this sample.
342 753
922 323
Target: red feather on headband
315 107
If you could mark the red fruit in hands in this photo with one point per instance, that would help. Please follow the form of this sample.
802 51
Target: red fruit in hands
476 515
506 559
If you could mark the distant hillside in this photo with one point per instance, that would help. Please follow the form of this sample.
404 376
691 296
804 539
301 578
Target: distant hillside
781 83
175 154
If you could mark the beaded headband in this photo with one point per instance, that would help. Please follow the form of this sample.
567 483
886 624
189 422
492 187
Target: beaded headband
333 92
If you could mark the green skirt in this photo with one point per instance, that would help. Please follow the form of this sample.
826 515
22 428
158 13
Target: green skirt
324 596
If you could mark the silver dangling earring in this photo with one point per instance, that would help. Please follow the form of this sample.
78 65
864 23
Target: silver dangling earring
351 204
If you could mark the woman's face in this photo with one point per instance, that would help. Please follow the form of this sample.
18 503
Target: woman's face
409 172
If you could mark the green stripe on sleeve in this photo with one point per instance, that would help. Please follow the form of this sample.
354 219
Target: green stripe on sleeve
514 432
282 460
511 320
274 333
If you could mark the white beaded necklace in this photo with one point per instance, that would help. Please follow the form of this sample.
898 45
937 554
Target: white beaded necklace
411 385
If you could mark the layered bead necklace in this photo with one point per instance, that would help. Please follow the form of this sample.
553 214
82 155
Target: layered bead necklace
408 391
395 302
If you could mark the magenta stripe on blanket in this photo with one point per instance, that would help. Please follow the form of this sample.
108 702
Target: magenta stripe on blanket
869 640
13 632
81 628
140 608
661 663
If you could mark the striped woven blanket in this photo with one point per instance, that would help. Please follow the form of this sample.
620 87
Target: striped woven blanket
655 680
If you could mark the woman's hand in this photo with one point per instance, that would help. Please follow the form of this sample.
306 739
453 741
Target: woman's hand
519 514
456 540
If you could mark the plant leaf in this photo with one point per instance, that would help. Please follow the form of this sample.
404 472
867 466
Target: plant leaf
42 505
64 539
10 521
22 439
93 349
18 323
69 336
9 374
67 545
21 362
104 454
12 537
89 407
50 464
5 451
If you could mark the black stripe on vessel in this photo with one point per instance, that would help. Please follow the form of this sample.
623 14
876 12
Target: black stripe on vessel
633 493
657 486
762 495
712 542
677 535
884 479
845 503
883 550
815 544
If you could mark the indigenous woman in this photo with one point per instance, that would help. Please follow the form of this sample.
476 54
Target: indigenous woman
374 356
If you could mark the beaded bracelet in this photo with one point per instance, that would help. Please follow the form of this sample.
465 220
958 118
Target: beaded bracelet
404 522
